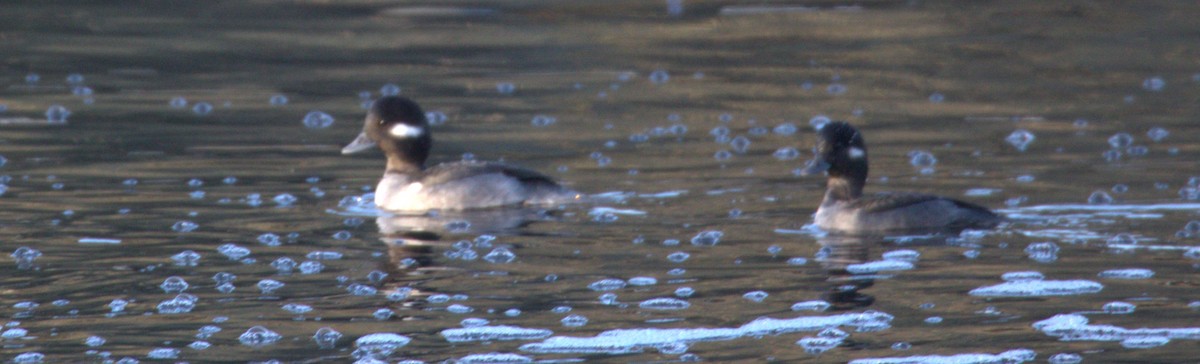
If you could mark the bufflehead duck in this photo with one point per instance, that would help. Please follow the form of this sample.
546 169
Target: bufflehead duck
842 153
397 125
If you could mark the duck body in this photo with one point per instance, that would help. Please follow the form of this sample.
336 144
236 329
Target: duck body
397 125
468 185
842 153
883 212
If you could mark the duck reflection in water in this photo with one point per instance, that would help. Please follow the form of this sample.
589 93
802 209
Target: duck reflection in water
847 259
417 243
499 221
836 254
412 240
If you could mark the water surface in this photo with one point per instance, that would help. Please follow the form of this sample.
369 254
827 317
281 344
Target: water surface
687 119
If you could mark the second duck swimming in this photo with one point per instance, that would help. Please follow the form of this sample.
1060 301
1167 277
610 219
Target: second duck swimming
842 153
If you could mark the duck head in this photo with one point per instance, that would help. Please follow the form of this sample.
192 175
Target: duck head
397 125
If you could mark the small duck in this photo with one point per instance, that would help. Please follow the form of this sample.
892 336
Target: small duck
842 153
397 125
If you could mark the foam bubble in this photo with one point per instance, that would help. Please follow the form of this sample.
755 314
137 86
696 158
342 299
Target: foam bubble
1131 273
664 303
623 341
1020 139
1011 356
1038 288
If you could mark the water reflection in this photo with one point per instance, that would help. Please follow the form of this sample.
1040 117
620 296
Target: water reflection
714 110
838 252
423 247
412 269
481 221
846 259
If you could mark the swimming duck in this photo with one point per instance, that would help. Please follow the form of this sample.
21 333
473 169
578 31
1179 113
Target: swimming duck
842 153
398 126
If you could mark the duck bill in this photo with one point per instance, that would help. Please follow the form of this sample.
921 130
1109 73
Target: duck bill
361 143
814 167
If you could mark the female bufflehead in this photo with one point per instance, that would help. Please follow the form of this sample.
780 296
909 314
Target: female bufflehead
842 153
398 126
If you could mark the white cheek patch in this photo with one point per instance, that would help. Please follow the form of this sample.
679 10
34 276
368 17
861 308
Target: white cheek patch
406 131
856 153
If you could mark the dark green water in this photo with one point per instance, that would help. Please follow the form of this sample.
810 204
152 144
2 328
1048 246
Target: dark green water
951 80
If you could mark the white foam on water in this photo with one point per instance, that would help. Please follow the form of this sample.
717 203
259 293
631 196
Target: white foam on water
1011 356
601 210
809 229
490 333
723 191
1038 288
666 194
1104 208
1152 247
878 266
358 205
99 241
622 341
1075 327
622 196
1130 273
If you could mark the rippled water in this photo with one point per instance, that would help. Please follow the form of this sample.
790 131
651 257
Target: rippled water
172 186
